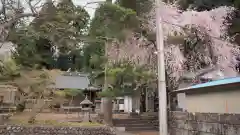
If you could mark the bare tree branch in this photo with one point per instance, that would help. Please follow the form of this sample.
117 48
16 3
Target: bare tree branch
11 11
93 2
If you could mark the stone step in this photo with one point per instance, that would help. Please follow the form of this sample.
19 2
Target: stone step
145 132
135 125
127 121
124 133
135 119
130 129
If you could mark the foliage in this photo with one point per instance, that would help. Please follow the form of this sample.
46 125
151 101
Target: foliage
136 50
201 36
68 92
194 40
60 30
201 5
234 27
36 87
139 6
124 79
113 20
116 22
67 26
27 46
31 84
9 69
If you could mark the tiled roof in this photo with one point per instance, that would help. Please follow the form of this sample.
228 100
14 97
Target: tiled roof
72 80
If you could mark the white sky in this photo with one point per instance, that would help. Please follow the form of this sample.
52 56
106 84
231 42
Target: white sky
90 7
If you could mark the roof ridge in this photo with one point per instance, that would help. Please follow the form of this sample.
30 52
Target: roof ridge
225 78
212 83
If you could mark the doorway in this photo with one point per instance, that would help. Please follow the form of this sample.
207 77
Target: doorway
143 101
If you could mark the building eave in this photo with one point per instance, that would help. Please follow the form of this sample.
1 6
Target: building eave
207 89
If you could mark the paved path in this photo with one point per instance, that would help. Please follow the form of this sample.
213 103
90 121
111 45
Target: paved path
137 133
147 133
124 133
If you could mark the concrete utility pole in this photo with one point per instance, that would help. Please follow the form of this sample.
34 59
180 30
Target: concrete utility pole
105 86
162 94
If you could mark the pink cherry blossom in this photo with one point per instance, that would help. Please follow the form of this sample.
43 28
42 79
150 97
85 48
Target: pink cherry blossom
210 26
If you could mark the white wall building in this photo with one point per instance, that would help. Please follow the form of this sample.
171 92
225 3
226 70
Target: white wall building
133 103
220 96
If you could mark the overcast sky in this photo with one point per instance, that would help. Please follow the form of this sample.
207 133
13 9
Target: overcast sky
90 7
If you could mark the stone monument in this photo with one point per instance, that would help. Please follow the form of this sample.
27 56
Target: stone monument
86 109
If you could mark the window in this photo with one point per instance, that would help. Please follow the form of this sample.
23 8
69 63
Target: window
121 101
1 99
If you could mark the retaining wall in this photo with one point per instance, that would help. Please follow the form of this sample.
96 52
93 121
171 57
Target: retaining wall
50 130
184 123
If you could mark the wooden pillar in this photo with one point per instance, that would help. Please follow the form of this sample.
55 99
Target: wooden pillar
226 103
1 119
146 100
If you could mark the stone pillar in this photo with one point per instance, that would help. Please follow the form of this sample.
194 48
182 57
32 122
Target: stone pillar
98 107
86 108
1 119
136 102
149 101
146 100
128 104
86 114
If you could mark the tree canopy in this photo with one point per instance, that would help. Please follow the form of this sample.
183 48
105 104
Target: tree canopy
119 42
58 32
124 79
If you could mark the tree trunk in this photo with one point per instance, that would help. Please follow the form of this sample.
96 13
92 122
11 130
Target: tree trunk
37 108
118 108
108 111
70 103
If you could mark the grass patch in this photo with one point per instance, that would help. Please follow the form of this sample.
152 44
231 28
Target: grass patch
54 123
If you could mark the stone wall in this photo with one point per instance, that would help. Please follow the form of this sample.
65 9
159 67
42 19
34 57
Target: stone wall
183 123
48 130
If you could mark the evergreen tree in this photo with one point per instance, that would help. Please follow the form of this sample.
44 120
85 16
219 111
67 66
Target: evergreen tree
62 29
